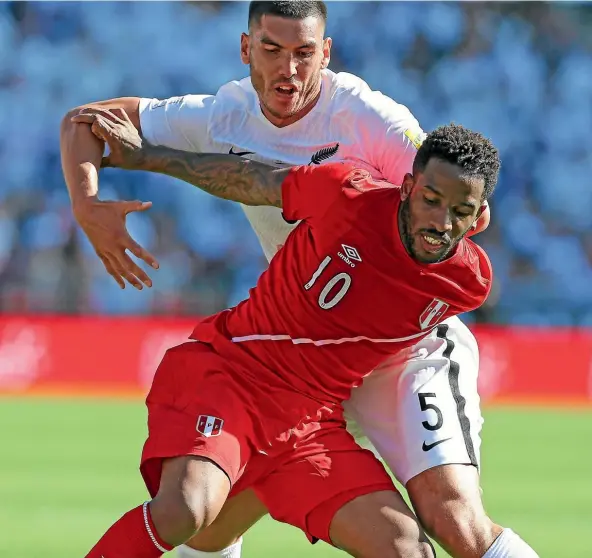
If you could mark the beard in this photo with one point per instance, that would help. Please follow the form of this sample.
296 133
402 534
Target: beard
408 237
405 227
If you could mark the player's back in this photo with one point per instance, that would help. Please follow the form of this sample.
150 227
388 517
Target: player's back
343 293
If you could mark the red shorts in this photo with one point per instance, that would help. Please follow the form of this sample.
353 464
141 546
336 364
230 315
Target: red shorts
295 453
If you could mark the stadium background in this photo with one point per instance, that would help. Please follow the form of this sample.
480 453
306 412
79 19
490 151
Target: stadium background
76 352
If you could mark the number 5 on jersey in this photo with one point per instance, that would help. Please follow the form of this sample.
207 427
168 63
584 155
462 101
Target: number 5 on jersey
343 278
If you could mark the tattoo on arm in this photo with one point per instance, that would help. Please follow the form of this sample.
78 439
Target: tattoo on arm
224 176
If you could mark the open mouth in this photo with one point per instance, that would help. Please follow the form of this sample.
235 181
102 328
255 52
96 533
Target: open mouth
432 244
286 90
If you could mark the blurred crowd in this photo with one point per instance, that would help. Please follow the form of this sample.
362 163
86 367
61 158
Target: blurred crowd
519 72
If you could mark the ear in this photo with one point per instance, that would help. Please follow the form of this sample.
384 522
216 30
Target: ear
326 52
407 186
244 48
482 220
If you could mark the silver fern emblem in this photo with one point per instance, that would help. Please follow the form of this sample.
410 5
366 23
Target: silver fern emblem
324 153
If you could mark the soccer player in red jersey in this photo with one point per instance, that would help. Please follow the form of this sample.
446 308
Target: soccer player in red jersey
407 407
251 403
421 414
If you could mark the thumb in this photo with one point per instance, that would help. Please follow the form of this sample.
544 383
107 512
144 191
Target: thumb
83 118
98 128
136 205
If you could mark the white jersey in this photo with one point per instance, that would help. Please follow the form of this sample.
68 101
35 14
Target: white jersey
349 122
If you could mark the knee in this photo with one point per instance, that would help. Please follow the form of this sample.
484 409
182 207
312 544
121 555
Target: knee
408 541
237 516
403 539
459 527
396 548
447 501
407 549
379 525
192 492
178 516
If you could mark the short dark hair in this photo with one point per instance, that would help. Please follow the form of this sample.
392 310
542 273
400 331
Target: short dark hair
293 9
469 150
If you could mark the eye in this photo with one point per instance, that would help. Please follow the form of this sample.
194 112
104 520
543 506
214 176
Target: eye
272 50
462 214
306 54
430 201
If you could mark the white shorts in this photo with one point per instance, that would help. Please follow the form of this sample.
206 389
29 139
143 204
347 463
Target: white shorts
421 409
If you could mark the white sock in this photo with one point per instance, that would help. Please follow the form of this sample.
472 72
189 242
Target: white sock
233 551
509 545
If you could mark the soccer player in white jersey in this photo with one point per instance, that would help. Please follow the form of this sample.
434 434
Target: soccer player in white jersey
421 414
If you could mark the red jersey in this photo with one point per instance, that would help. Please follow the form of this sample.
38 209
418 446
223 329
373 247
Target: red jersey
343 293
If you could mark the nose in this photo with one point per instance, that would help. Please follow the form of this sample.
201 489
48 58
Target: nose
288 66
441 220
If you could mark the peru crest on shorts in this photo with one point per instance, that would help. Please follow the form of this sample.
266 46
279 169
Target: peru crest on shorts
209 426
432 314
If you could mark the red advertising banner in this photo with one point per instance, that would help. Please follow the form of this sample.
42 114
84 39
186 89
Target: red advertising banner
118 357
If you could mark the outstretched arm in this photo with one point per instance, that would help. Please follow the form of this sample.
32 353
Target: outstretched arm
224 176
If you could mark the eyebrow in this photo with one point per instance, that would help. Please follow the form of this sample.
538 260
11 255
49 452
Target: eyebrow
267 41
438 193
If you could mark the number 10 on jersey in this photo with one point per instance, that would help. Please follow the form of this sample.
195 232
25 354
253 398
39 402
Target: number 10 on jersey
341 278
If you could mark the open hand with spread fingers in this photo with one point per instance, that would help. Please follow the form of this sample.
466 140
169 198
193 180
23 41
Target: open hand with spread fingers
104 224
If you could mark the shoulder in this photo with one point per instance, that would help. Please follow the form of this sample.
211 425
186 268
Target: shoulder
346 172
476 260
358 183
237 94
351 94
346 177
342 172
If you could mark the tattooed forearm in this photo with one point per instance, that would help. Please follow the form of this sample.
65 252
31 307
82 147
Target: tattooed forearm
225 176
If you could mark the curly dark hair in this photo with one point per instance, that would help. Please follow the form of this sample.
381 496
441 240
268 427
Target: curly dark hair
469 150
292 9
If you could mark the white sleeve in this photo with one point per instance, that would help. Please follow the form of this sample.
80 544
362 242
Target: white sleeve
393 137
178 122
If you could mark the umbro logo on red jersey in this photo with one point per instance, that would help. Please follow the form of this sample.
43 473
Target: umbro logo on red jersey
349 253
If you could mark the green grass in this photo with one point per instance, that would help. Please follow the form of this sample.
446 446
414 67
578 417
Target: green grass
68 469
